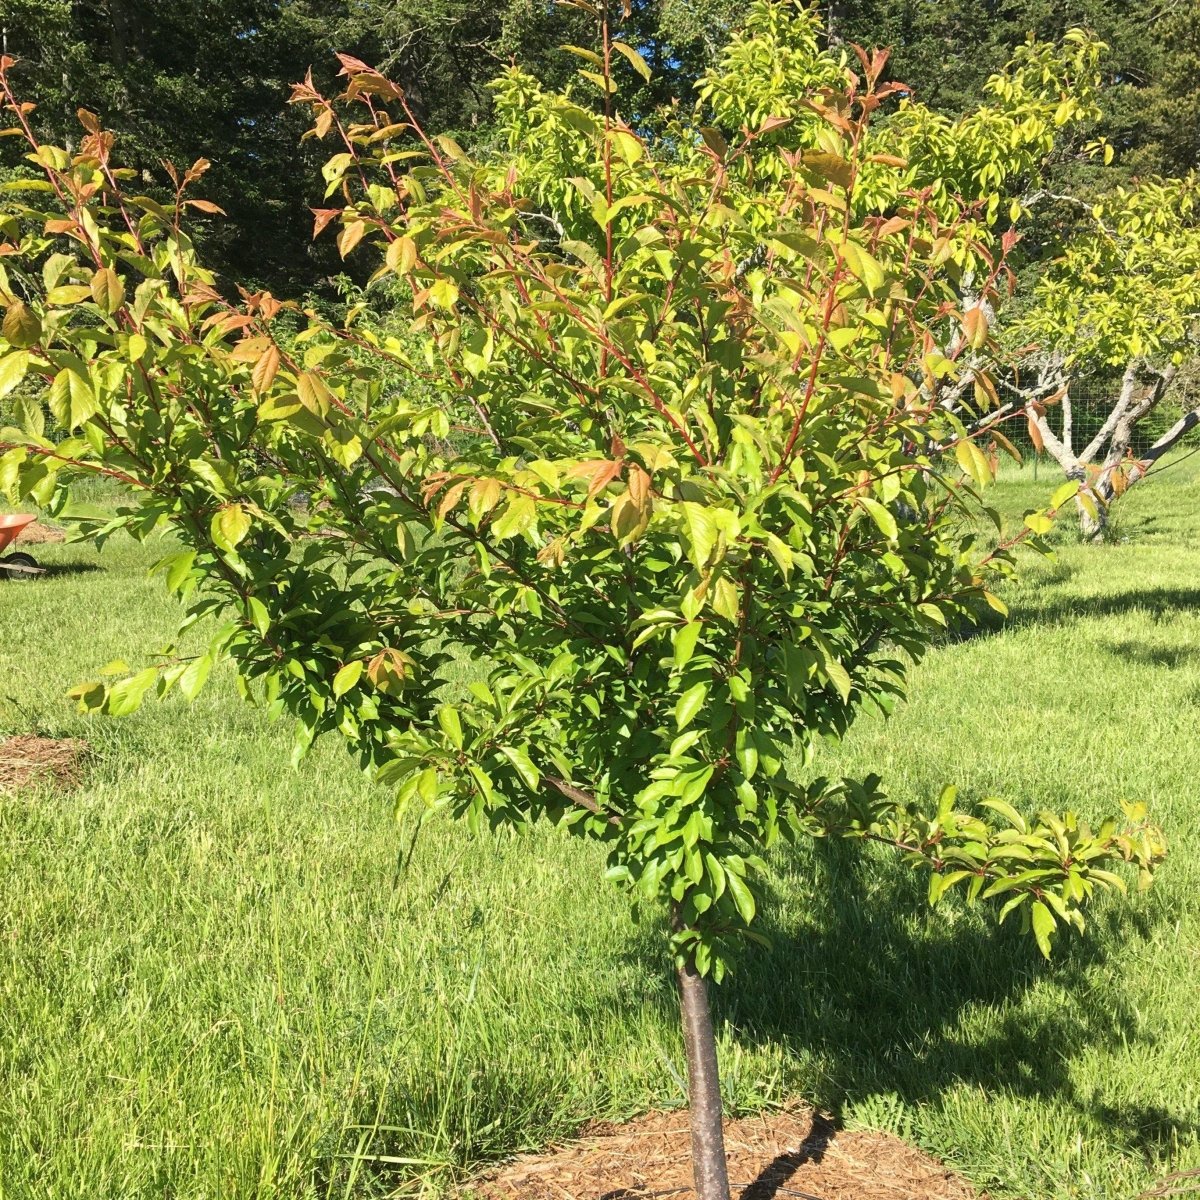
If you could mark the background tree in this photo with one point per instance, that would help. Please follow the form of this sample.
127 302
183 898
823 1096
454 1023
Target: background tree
947 52
181 81
666 465
184 80
1125 294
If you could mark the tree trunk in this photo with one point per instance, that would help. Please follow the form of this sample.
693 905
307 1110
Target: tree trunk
709 1169
118 33
1091 527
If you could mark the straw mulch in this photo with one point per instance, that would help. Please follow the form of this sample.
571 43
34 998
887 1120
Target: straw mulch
776 1156
37 534
28 760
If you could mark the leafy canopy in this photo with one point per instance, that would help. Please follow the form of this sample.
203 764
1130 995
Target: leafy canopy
666 464
1127 284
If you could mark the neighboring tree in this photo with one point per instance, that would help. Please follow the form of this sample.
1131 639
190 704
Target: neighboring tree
178 81
664 455
1122 302
1151 95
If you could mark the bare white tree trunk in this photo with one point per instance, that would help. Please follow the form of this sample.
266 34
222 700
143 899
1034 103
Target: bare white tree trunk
1107 456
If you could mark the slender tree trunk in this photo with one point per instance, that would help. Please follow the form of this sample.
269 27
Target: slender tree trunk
118 32
709 1169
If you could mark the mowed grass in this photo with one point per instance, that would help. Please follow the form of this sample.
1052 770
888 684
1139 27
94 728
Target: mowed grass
218 980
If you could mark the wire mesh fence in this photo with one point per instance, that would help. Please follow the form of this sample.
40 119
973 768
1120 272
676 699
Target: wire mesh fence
1089 410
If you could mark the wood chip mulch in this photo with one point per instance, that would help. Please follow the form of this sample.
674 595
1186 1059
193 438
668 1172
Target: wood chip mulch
776 1156
27 760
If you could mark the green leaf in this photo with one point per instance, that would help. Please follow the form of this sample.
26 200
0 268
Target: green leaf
12 370
689 704
108 290
605 85
743 898
946 801
402 255
517 517
881 516
839 677
314 394
584 53
685 642
178 568
530 776
1043 925
933 613
345 446
483 782
210 474
444 293
196 675
83 403
863 266
68 293
747 759
347 676
781 552
229 526
126 697
700 529
1007 811
21 326
31 415
723 597
973 462
428 785
451 726
940 884
996 603
636 60
260 618
1011 904
1064 492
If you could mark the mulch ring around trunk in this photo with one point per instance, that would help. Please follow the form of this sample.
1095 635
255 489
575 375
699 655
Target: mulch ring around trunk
37 534
775 1156
28 761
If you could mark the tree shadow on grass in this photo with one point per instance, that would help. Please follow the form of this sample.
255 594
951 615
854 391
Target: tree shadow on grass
1143 654
865 994
1160 603
53 570
869 995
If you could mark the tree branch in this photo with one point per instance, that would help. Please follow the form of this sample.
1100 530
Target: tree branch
1128 382
582 798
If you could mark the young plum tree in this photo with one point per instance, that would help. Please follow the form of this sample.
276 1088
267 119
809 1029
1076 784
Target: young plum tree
657 446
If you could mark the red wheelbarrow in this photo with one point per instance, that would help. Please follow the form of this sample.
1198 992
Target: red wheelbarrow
16 566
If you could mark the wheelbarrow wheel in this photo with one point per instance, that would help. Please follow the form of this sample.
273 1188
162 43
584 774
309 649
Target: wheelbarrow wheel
18 560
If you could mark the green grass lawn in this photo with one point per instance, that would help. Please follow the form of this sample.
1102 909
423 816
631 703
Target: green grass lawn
216 983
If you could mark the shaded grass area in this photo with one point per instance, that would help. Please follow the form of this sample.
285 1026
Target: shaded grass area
214 981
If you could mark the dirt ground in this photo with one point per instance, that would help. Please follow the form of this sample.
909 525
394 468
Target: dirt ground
26 760
794 1153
